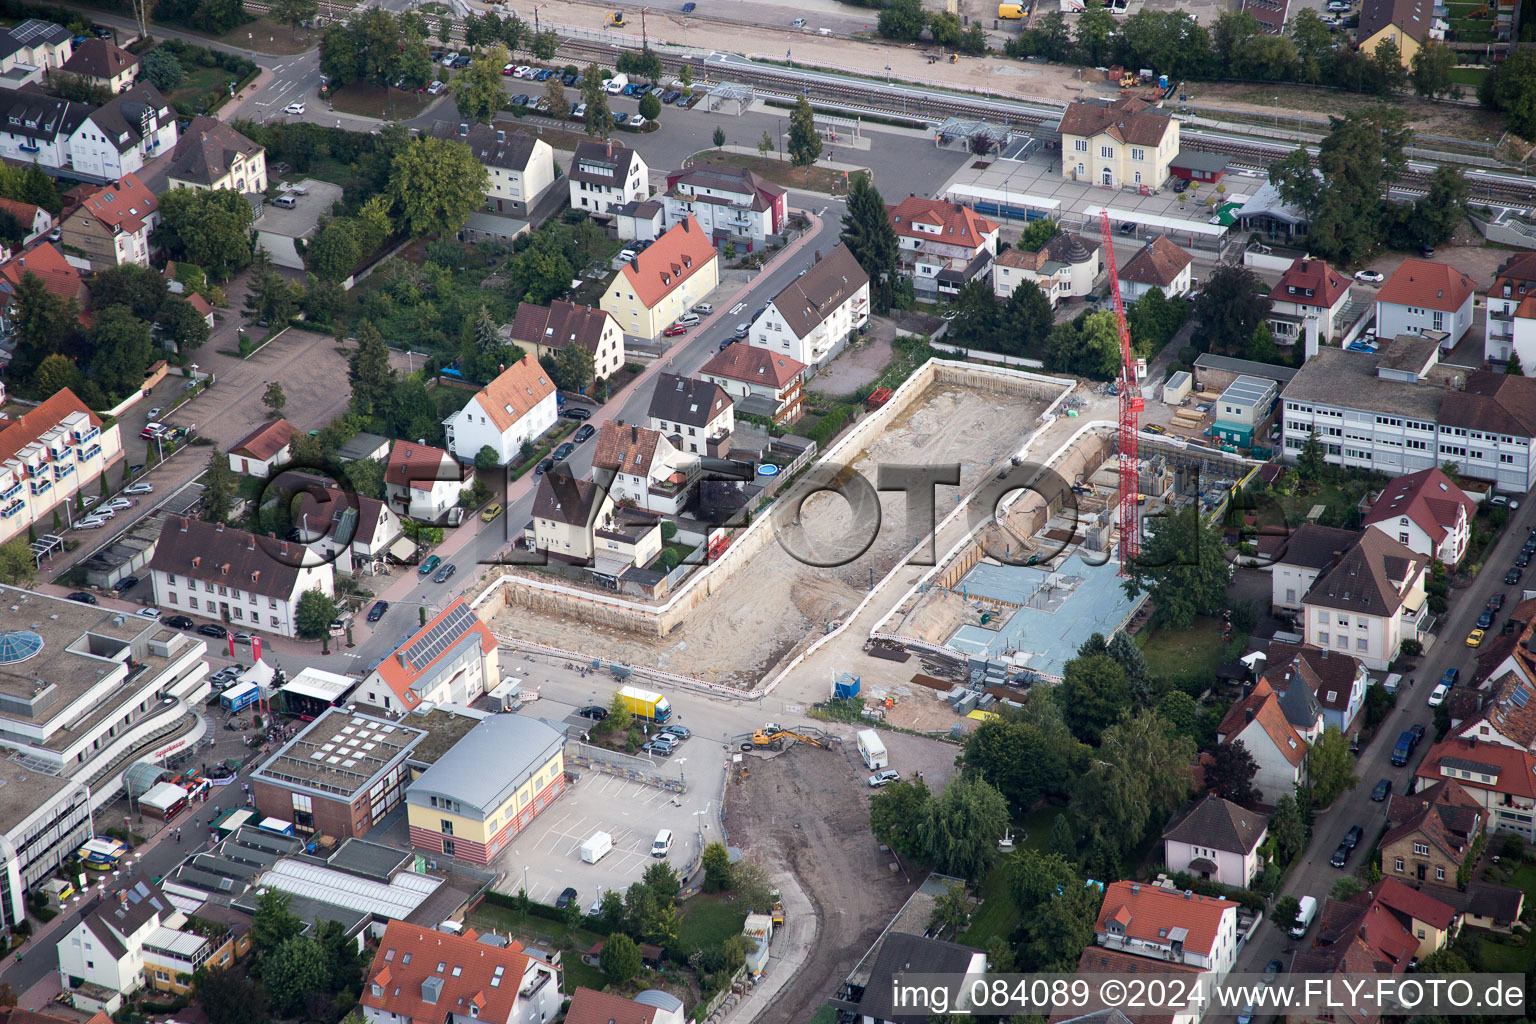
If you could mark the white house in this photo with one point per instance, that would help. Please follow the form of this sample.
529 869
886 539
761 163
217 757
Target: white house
424 976
212 155
452 659
811 320
1337 682
1166 924
643 467
35 128
605 176
1512 285
726 202
353 529
222 573
1260 724
1158 264
759 381
941 244
521 166
48 454
104 64
34 219
1497 776
119 137
39 833
695 415
1368 602
640 221
518 406
30 50
423 482
1309 288
264 449
106 946
1427 513
1066 267
1422 295
545 330
1217 840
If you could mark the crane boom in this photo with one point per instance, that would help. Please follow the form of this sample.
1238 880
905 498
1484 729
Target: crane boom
1130 415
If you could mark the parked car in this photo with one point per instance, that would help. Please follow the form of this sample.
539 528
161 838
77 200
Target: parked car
1512 577
542 105
566 898
445 573
544 74
243 638
139 488
428 566
1341 855
1274 968
463 60
119 504
690 7
671 96
1181 184
83 597
576 412
595 712
680 731
1417 731
564 452
179 622
1438 694
1475 638
125 584
583 433
91 523
1354 835
568 79
1382 791
490 512
377 611
152 430
883 777
675 331
520 100
543 467
1370 276
704 309
217 632
579 111
1496 601
449 57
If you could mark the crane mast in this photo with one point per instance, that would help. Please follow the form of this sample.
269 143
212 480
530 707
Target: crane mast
1130 415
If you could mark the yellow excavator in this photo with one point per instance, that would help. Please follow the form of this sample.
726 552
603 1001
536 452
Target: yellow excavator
775 737
616 19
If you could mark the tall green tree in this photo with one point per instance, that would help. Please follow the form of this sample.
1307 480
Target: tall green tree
18 567
1092 695
598 118
804 143
895 814
978 316
554 93
228 996
1311 462
621 958
273 922
121 351
572 368
1288 828
901 20
477 89
218 488
1233 304
55 373
436 184
1142 773
1230 773
959 834
43 322
1025 321
181 324
1432 66
1330 767
141 289
369 373
294 970
717 867
208 227
293 13
1183 565
274 398
650 106
317 610
871 238
1510 89
1286 912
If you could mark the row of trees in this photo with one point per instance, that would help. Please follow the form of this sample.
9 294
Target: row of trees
1174 44
905 20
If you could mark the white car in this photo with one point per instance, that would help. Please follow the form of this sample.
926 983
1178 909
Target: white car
89 500
1504 499
116 505
1370 276
294 108
1437 696
881 778
91 523
450 57
625 255
149 613
579 111
154 413
522 71
435 88
139 488
613 87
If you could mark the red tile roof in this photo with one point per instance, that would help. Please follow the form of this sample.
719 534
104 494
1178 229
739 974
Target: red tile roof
753 366
399 673
1427 285
406 968
669 261
1394 895
958 224
417 465
1156 264
16 434
124 206
1427 497
47 262
1490 767
589 1006
265 441
1147 912
515 392
1270 717
26 213
1315 283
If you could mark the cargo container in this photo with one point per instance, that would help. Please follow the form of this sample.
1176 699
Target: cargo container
278 825
872 750
846 687
646 704
595 848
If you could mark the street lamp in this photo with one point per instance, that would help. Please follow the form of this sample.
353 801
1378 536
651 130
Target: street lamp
1277 115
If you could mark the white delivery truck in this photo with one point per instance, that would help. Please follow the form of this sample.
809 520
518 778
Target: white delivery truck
1304 916
593 849
872 750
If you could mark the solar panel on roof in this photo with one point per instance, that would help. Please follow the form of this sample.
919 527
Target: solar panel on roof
441 636
1519 697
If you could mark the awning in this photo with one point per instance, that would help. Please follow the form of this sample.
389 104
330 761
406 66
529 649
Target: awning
1203 866
402 549
320 685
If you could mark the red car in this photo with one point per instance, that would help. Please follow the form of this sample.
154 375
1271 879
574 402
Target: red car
508 69
674 331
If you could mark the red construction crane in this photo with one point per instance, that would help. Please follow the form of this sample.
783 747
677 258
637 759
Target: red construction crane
1130 414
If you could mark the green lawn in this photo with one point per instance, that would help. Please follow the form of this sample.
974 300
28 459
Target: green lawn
1192 651
199 83
997 916
542 931
371 101
706 921
825 1015
1469 76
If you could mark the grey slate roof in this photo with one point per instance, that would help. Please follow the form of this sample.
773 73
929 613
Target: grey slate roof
565 499
1314 546
36 116
1363 579
806 301
908 954
1220 824
488 765
495 145
122 118
1271 371
687 400
206 149
1298 701
592 159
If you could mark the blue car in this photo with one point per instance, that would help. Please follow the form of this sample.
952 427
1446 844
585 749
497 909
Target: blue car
544 76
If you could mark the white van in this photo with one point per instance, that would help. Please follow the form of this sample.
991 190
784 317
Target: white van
1304 917
663 843
689 319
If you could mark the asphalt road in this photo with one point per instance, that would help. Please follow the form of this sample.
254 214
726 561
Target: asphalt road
1315 875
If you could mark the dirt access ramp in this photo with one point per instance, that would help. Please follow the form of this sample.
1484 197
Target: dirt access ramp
808 811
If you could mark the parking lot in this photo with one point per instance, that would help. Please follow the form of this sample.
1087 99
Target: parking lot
548 854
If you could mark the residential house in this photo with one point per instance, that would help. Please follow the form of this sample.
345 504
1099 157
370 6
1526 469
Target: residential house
1166 924
335 799
1066 267
605 176
1407 24
1097 960
941 244
35 128
105 948
1295 687
352 530
1426 513
1358 936
1514 282
1309 289
1405 412
589 1006
900 953
695 415
1431 923
515 408
1217 840
1308 551
545 330
1501 778
487 788
1430 834
452 659
1368 602
29 50
813 317
1422 295
1126 142
760 382
34 220
566 513
641 220
1338 681
726 202
424 976
45 261
49 454
1509 716
520 166
1494 908
113 224
664 281
263 450
646 470
219 572
104 64
1159 264
120 136
212 155
423 482
1278 749
39 832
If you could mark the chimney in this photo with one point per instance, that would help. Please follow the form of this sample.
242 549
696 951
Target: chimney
184 525
1248 714
250 543
400 657
685 223
218 527
634 433
610 156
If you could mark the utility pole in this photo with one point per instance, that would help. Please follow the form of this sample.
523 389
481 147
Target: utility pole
141 17
644 43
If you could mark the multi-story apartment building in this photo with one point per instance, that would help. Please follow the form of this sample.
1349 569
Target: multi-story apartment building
48 455
605 176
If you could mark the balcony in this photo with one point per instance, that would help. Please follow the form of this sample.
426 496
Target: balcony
62 470
677 482
41 485
87 435
11 491
90 452
12 510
